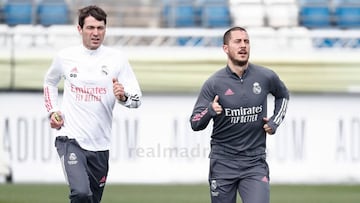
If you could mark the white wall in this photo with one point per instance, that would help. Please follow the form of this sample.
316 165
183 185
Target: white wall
319 141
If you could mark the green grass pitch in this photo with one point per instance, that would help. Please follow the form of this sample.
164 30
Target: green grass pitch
177 193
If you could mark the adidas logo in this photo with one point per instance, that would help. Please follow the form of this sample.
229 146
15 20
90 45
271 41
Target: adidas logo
265 179
229 92
102 181
74 70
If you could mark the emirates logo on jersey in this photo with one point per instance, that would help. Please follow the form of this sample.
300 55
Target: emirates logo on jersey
243 114
88 94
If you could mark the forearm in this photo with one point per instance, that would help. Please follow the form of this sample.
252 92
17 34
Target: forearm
279 113
201 117
51 98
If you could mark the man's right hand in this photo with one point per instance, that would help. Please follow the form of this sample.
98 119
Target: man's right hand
56 120
216 106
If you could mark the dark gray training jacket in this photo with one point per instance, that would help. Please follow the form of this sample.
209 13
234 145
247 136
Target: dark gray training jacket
238 130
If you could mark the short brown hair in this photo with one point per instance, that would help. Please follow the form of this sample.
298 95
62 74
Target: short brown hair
227 34
94 11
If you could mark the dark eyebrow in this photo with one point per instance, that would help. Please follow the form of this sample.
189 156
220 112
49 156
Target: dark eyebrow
246 40
92 26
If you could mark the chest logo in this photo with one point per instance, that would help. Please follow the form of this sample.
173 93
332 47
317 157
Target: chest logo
74 72
229 92
72 159
104 70
256 88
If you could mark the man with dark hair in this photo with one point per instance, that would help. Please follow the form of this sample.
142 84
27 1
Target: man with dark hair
95 78
235 99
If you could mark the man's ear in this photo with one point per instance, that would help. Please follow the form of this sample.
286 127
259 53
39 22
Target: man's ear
79 29
226 48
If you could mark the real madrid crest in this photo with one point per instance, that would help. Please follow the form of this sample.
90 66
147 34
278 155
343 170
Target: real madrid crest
104 70
72 159
256 88
213 184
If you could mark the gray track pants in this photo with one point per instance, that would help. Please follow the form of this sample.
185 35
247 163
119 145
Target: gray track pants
249 177
85 171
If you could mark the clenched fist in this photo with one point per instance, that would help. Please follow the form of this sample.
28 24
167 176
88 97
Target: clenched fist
119 91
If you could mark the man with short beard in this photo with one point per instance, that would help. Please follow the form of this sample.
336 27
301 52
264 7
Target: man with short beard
235 99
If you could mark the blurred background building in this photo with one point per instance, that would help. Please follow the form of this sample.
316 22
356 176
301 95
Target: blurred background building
302 17
304 31
342 14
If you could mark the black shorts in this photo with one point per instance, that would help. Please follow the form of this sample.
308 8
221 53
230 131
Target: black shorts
250 177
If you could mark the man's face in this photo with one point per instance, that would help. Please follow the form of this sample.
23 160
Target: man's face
238 47
92 33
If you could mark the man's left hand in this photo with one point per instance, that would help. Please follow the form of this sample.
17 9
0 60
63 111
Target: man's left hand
266 127
118 89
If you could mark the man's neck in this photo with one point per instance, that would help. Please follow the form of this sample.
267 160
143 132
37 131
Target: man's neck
238 70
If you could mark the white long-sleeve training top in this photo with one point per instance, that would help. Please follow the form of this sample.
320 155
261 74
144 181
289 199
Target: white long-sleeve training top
88 98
